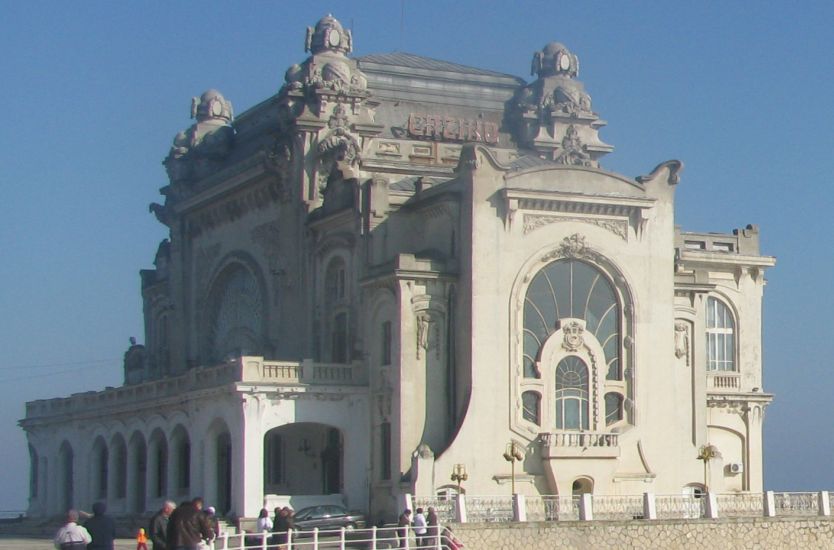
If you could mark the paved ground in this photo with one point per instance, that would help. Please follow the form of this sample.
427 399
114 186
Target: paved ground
9 543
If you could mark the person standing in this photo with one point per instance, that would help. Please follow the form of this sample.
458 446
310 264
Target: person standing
420 527
402 527
101 527
189 527
158 528
281 526
433 528
211 515
72 536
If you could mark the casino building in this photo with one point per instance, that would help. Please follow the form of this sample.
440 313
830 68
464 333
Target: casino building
397 265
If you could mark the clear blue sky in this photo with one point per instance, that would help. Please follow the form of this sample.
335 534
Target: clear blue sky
93 92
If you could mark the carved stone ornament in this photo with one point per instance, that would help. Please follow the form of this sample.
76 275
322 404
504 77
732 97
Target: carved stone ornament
682 341
573 151
196 151
573 246
573 336
329 68
618 227
339 149
424 322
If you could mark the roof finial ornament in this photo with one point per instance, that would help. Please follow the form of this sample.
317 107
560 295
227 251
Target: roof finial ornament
328 36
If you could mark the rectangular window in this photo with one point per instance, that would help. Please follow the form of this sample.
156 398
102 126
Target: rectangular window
386 343
385 451
274 460
161 473
184 480
339 340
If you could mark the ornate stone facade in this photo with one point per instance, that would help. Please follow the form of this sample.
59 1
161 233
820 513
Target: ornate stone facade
366 284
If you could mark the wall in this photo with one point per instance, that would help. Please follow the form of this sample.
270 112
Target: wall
728 534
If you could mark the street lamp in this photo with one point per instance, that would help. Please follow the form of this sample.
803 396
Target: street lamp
706 453
511 455
459 474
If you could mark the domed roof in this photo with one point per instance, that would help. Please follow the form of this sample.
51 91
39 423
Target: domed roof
328 36
555 59
328 22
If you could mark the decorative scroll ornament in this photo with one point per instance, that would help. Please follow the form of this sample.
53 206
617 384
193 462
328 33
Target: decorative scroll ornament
573 336
618 227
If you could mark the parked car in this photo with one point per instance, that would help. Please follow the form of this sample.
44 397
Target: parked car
328 516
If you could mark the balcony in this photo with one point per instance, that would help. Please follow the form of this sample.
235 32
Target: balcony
580 445
723 382
256 370
247 370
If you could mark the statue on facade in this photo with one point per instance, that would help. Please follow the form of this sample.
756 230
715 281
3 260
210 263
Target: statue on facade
572 151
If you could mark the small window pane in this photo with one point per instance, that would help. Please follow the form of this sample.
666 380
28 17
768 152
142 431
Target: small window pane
613 408
531 402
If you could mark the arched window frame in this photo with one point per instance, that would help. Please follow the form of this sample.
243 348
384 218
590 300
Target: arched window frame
223 275
573 248
337 318
721 338
573 394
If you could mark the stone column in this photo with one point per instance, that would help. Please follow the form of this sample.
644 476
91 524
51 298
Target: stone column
586 507
132 479
248 457
649 506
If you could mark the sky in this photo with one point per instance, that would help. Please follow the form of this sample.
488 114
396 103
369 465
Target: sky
94 91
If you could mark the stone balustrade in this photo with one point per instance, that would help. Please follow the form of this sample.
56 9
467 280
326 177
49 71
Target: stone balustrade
580 444
259 371
253 370
724 381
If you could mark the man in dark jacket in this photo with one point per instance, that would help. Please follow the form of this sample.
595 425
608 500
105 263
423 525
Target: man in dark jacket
188 526
101 527
158 528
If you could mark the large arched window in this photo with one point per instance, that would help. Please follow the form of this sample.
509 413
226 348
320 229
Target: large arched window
236 315
572 289
720 336
572 392
337 307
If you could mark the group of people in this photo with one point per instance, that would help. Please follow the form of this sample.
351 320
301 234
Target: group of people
426 529
279 526
97 533
184 527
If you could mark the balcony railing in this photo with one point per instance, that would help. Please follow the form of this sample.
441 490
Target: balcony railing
725 381
580 444
253 370
257 370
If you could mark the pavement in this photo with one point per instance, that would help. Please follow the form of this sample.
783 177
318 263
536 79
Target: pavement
17 543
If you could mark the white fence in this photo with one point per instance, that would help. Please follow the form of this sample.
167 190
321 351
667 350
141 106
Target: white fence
521 508
480 509
342 539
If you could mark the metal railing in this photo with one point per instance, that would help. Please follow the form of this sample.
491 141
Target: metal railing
375 538
523 508
489 509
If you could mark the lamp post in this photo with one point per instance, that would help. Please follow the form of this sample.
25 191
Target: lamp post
459 474
706 453
512 455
